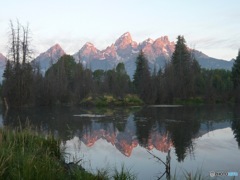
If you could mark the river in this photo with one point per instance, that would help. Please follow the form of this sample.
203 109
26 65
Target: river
201 139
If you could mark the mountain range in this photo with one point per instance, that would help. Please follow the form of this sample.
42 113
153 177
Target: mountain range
158 53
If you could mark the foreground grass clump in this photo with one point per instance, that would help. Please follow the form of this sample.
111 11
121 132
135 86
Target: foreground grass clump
24 154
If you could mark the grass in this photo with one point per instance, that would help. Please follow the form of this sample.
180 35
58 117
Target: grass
194 176
123 174
26 154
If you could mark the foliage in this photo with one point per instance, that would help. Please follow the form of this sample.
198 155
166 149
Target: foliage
142 77
182 81
17 83
185 69
236 77
18 74
123 174
60 77
109 100
26 155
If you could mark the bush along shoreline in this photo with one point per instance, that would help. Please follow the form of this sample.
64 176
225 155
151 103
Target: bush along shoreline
109 100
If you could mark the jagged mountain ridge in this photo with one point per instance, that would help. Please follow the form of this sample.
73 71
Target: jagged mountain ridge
126 50
158 53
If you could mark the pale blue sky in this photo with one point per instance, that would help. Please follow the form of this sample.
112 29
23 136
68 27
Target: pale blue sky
211 26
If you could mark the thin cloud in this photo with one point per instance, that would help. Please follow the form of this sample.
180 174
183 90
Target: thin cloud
214 43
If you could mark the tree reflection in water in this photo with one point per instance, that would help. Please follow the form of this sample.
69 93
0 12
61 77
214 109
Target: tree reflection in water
157 128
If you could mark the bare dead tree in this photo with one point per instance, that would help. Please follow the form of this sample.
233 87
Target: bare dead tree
25 49
12 51
19 41
18 75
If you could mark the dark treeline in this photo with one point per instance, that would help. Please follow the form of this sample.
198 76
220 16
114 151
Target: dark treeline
67 82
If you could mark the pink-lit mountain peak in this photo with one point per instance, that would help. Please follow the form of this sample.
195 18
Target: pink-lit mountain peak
89 47
88 51
149 41
162 40
126 35
124 40
88 44
56 49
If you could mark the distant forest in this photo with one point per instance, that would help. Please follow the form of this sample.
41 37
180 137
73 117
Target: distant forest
69 83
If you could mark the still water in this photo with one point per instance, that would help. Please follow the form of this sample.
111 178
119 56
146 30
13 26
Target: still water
200 138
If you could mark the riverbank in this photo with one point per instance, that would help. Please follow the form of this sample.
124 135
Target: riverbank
26 154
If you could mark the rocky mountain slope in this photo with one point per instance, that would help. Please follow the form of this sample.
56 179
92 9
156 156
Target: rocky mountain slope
158 53
51 56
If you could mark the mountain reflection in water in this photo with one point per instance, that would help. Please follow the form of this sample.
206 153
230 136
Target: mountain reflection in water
156 128
125 140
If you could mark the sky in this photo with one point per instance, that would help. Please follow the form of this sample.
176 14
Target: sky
211 26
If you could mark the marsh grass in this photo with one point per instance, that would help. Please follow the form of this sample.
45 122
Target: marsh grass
198 175
124 174
26 154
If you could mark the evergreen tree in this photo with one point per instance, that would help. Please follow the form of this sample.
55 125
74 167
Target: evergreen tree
185 69
61 78
122 81
236 77
142 77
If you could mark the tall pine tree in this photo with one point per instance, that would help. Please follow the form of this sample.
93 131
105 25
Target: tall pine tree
183 64
142 77
236 77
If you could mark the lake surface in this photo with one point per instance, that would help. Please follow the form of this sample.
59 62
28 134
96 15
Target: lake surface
200 138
